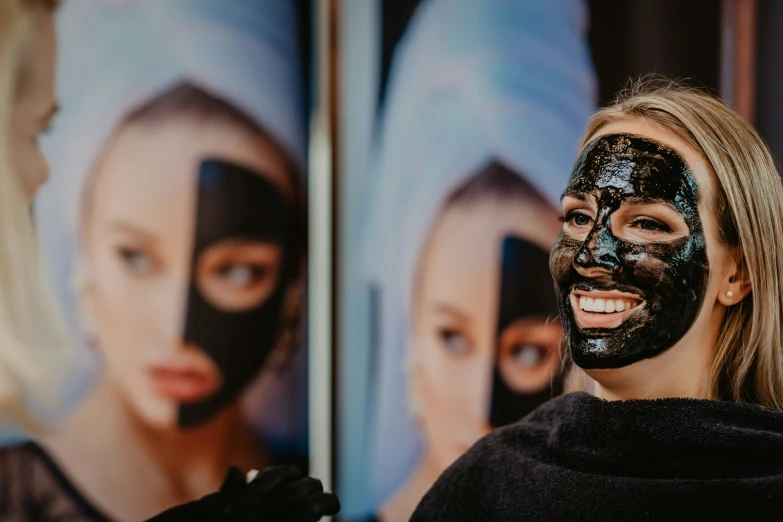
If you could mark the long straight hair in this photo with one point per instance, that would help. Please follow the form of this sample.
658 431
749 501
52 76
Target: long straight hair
36 351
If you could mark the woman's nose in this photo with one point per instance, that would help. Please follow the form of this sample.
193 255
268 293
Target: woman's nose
598 255
170 307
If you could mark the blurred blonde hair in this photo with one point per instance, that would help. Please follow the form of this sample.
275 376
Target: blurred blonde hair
748 357
35 348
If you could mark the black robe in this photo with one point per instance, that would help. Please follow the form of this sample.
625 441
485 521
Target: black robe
579 458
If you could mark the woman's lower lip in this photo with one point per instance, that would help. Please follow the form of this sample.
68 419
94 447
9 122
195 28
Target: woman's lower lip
183 386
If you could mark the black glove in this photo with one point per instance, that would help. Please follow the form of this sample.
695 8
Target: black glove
279 494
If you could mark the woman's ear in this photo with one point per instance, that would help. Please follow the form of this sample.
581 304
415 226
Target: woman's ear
736 284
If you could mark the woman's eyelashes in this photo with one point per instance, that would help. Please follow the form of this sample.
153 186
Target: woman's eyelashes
578 222
648 224
577 218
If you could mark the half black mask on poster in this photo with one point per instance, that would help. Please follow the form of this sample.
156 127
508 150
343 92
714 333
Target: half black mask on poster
235 204
669 277
526 292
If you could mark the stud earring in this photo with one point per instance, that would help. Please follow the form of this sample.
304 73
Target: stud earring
729 294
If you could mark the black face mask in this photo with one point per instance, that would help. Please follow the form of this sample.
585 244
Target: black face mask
525 292
671 277
235 203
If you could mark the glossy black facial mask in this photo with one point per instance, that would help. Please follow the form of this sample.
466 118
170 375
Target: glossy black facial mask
671 277
526 292
234 203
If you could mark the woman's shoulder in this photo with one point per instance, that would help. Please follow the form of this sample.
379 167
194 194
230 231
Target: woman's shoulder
577 449
33 489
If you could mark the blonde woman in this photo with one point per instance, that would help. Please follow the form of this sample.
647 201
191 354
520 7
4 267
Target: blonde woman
35 351
670 291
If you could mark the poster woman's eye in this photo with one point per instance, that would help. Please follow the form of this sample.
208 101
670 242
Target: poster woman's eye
243 275
136 261
453 340
237 275
528 355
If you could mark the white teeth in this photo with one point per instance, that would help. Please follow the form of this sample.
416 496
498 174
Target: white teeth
604 305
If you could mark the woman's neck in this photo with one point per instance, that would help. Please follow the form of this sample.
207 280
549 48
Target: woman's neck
684 370
681 371
133 471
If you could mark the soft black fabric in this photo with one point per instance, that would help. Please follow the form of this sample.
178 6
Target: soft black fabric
580 458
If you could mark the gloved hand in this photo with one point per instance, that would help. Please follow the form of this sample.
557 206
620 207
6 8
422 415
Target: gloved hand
279 494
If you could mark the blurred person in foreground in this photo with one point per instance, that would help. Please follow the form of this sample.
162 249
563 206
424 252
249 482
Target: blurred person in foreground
38 356
176 208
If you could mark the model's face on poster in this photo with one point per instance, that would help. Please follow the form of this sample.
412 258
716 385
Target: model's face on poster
139 234
457 346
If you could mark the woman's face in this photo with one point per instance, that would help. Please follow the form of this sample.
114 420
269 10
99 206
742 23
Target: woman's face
461 349
35 104
638 264
139 240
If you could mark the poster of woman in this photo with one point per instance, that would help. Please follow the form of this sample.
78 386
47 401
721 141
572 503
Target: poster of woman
480 118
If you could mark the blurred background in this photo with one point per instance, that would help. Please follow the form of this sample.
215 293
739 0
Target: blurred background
339 213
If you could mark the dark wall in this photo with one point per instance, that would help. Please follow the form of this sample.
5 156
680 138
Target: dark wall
769 101
674 38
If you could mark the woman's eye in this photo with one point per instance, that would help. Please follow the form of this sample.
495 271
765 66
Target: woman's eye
577 218
242 275
136 261
650 225
453 340
528 355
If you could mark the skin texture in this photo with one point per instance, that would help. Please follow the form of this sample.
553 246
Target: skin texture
633 211
683 370
35 105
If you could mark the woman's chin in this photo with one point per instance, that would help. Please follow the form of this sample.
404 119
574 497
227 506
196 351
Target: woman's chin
156 413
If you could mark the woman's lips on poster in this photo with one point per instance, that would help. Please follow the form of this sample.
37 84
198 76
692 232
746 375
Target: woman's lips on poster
190 377
603 309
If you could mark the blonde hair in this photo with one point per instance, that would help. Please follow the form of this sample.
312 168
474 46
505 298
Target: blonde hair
35 348
748 357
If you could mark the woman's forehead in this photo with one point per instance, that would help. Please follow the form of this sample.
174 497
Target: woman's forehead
653 131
